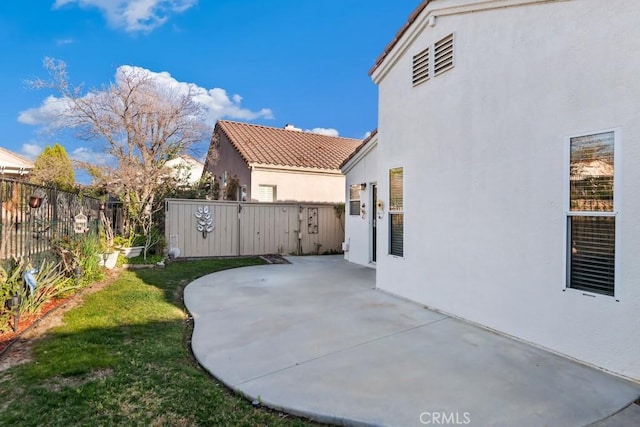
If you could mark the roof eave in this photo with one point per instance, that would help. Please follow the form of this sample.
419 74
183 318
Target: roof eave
265 166
389 47
369 144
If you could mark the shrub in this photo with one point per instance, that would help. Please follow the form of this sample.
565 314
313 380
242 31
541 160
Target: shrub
51 283
77 254
10 284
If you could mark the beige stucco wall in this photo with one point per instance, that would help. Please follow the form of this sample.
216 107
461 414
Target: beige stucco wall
300 185
230 160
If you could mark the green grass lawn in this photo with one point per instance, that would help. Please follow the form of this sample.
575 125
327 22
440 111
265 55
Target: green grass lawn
122 359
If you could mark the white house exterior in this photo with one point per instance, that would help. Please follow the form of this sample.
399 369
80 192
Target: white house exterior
361 207
14 166
493 119
187 169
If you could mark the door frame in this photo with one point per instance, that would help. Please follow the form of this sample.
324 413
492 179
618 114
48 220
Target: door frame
373 223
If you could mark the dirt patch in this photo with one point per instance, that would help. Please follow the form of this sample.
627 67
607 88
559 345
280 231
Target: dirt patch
58 383
34 327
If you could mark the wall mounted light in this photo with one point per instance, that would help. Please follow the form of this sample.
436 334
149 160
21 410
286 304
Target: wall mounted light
363 186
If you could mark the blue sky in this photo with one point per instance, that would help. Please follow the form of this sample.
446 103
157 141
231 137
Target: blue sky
271 62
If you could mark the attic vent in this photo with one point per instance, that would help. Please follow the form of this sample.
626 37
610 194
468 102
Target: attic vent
443 55
421 67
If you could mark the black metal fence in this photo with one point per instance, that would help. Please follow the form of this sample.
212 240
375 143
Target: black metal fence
32 216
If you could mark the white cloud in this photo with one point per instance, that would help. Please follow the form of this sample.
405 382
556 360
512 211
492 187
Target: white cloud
31 151
215 102
324 131
50 108
366 135
87 155
133 15
62 42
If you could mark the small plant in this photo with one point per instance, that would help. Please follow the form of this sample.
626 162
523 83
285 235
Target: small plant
51 283
77 257
106 235
9 285
129 241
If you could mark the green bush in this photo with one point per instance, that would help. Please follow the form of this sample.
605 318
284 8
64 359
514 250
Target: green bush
78 254
52 283
76 265
10 284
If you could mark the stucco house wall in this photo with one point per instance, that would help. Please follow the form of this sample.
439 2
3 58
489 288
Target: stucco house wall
300 185
186 168
358 228
301 166
14 166
230 160
484 151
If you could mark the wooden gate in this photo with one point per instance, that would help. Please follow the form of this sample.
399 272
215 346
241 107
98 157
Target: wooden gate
251 228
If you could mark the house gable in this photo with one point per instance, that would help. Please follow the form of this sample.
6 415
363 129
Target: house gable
483 151
294 165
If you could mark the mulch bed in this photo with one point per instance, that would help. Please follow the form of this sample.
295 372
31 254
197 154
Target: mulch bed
27 320
44 319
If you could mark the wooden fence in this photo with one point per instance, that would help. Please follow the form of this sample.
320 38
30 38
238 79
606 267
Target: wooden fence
202 228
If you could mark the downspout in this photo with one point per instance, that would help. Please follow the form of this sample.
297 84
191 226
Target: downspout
239 237
299 230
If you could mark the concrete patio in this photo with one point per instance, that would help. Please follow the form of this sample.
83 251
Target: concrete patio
315 338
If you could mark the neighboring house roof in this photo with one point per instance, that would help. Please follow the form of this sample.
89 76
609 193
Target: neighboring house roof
12 163
359 147
414 15
263 145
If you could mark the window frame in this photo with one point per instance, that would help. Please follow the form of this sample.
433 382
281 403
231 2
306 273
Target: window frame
614 213
354 189
274 193
394 212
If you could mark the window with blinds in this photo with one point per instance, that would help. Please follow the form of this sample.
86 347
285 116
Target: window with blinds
354 199
396 212
267 193
591 221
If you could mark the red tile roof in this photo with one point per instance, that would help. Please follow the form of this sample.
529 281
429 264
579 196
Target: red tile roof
414 15
277 146
359 147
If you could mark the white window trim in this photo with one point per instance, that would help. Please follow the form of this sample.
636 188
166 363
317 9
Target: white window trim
391 212
274 194
359 191
617 202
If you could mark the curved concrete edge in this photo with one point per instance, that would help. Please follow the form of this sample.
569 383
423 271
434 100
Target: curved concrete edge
312 416
222 295
629 416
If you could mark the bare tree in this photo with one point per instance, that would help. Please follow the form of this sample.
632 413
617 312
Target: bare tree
143 123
